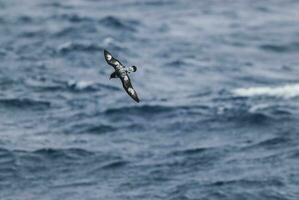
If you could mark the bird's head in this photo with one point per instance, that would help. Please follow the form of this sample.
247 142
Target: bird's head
134 68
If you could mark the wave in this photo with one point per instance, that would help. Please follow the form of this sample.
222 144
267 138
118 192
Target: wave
83 183
32 34
294 154
272 109
80 85
286 91
78 46
75 18
145 109
38 161
28 158
24 103
56 5
100 129
2 51
271 143
282 48
89 86
115 164
25 19
67 31
154 3
53 85
87 128
117 23
113 44
191 151
249 183
176 63
251 118
6 156
57 153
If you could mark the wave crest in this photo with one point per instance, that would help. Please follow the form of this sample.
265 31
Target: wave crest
286 91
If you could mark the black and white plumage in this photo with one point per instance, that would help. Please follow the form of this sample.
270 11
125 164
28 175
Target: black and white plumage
122 72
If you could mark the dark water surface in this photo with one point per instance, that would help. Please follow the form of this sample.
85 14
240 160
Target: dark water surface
219 89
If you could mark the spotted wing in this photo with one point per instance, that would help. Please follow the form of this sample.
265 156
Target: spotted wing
129 88
110 60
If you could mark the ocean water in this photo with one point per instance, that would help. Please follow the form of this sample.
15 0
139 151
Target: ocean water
219 89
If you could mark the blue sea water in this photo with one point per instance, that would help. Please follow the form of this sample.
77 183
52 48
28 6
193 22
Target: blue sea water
219 89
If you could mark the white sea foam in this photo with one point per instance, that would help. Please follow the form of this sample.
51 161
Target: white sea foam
80 85
64 46
108 41
285 91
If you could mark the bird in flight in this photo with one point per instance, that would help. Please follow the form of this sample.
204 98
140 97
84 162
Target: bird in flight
122 72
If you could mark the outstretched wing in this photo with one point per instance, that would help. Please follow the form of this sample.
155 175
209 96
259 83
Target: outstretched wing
110 60
129 88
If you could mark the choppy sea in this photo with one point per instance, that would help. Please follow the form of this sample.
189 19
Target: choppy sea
219 87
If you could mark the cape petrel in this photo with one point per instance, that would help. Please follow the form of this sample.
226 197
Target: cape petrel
122 72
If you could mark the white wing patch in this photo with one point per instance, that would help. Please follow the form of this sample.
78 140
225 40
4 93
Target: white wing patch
126 78
131 90
109 57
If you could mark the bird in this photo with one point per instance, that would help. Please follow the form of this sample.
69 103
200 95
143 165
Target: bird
122 72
